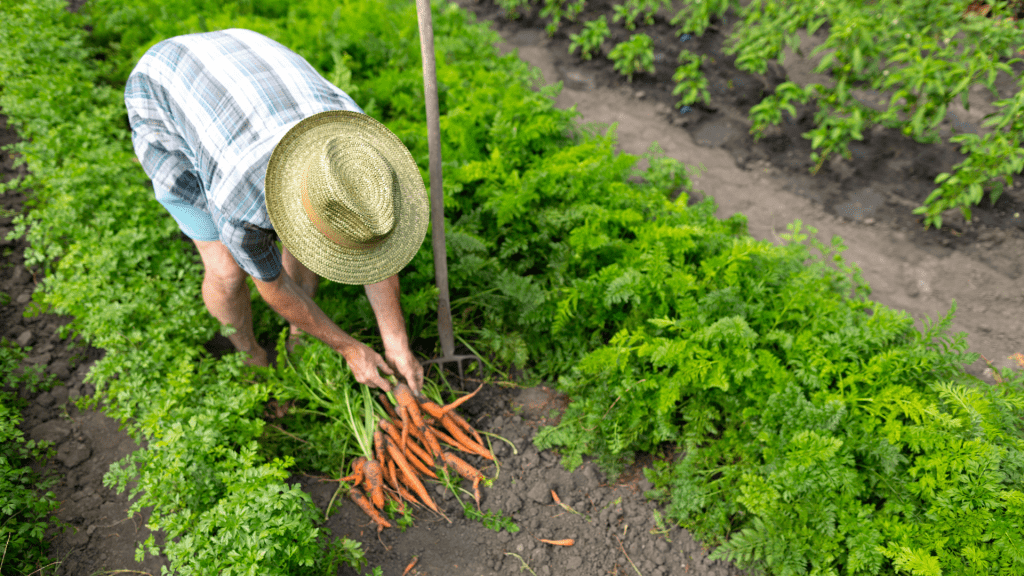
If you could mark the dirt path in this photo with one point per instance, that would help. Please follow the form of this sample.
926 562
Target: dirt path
867 201
98 533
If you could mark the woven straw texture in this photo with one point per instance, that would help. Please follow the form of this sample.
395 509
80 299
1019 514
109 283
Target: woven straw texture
346 197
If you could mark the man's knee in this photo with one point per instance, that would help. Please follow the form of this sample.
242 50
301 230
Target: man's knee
221 272
227 282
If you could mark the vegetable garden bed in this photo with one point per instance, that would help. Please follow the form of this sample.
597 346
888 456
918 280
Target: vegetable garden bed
789 370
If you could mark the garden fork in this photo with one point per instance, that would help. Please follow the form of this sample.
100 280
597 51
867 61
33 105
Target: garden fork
444 308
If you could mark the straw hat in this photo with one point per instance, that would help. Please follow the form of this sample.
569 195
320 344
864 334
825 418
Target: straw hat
346 197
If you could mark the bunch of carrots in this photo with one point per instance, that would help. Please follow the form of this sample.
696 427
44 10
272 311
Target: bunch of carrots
404 444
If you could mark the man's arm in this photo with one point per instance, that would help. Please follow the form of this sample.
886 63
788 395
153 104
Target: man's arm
291 302
384 298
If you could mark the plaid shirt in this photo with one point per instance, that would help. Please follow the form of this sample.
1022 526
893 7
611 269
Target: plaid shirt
206 111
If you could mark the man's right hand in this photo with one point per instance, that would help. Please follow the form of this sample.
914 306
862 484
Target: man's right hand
365 363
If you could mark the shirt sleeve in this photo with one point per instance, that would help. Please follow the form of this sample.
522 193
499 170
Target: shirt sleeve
163 153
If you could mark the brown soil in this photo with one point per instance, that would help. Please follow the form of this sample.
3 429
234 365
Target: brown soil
867 201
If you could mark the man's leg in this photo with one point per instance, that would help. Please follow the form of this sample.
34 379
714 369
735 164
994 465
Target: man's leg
226 295
304 277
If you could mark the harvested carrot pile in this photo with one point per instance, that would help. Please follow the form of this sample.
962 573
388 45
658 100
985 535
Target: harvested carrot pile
402 446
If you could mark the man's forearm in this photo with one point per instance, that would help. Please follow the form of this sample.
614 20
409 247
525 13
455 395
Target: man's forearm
384 298
289 300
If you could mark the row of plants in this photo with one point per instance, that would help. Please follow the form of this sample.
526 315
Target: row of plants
920 56
114 262
214 477
26 502
821 433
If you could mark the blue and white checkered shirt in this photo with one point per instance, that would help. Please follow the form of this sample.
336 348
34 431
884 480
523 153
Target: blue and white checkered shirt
206 111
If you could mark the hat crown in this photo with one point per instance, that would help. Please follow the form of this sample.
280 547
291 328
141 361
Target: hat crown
351 188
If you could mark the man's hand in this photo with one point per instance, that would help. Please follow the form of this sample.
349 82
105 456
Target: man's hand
403 362
365 363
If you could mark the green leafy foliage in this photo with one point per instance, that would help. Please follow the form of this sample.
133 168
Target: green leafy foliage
794 408
589 40
633 55
922 55
691 84
769 111
555 10
514 8
633 10
694 17
820 432
496 521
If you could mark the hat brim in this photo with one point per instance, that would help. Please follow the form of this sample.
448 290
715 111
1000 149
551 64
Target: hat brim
337 263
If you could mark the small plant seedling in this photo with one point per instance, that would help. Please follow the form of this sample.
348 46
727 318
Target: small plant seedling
514 8
633 10
634 55
590 38
691 84
558 9
660 527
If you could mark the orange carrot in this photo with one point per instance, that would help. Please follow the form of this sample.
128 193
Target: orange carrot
461 422
410 476
461 437
411 564
356 477
393 476
464 470
432 409
378 445
461 466
405 494
386 475
413 456
403 412
388 407
374 484
566 542
430 441
417 450
390 430
360 499
404 397
451 441
438 412
452 406
419 453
